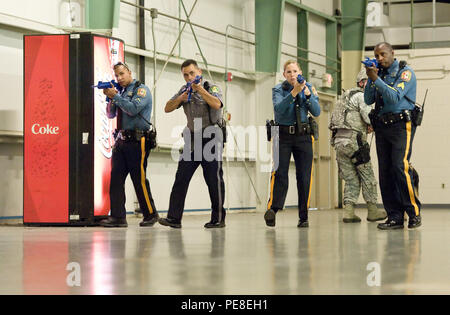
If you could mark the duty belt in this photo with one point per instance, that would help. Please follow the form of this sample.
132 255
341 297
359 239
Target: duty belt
391 118
304 129
130 135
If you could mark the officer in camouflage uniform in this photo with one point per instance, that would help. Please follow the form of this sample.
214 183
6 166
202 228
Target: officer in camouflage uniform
350 119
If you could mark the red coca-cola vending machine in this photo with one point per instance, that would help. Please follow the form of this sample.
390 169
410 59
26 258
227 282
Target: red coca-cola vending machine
67 135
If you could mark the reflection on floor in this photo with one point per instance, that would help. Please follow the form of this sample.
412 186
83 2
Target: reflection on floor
246 257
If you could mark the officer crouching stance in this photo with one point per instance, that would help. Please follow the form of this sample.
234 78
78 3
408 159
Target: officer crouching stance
132 107
292 101
393 89
203 137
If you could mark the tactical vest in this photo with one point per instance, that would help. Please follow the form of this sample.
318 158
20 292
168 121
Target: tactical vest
346 113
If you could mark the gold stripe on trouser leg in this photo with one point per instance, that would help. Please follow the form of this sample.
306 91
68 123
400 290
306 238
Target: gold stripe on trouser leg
311 179
406 168
272 181
144 187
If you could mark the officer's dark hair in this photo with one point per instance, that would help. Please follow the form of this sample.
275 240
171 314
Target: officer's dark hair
386 44
189 62
120 63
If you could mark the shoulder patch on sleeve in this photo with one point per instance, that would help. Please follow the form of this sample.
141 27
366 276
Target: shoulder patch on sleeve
142 92
314 91
406 76
215 89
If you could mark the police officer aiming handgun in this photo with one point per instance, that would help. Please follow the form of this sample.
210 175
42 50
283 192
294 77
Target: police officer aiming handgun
204 139
392 87
293 100
132 107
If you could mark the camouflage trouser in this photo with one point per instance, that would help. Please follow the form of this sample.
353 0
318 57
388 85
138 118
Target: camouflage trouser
355 177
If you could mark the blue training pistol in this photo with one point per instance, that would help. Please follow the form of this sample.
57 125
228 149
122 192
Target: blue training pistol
370 62
189 86
300 79
108 85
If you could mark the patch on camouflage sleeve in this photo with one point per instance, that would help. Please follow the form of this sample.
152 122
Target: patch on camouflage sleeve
406 76
142 92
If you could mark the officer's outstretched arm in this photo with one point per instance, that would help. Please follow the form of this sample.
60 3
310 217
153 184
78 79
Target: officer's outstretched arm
281 103
142 99
213 99
393 94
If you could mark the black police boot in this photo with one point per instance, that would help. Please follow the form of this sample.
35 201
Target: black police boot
269 216
391 225
214 225
302 224
112 222
415 222
150 221
170 222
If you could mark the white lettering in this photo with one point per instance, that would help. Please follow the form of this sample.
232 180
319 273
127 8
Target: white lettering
37 129
193 305
374 278
74 278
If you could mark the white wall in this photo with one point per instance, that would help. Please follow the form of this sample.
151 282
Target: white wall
397 23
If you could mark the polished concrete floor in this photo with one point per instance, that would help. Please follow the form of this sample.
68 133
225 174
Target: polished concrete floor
244 258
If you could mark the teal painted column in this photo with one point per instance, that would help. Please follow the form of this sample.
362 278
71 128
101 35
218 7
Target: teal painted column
353 39
332 54
102 14
268 33
302 41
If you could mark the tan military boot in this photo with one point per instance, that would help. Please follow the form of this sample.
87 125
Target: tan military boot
373 214
349 214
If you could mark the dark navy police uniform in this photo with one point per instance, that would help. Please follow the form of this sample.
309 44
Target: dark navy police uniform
133 109
295 138
200 116
394 94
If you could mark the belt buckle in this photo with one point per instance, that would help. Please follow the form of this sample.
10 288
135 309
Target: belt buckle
291 130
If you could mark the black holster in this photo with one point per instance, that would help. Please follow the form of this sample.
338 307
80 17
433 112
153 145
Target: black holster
269 125
314 127
417 116
151 137
362 156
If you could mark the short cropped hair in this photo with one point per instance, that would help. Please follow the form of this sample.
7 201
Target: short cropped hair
389 46
189 62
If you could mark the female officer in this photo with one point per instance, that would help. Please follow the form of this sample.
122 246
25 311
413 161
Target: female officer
292 102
